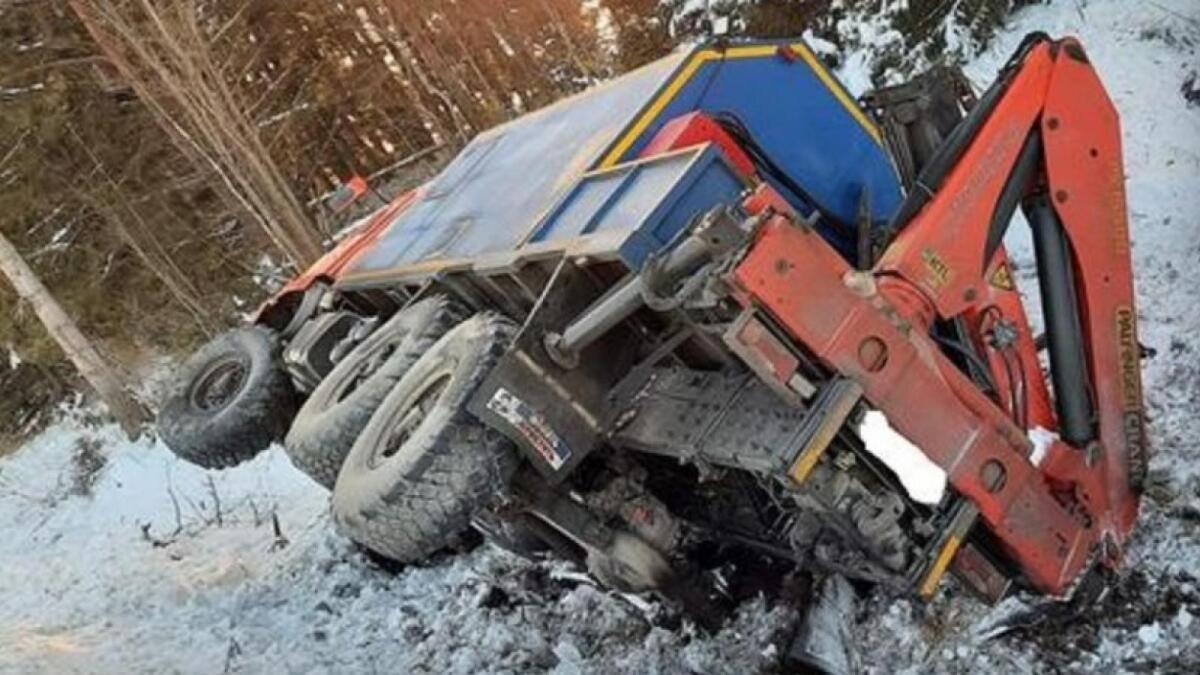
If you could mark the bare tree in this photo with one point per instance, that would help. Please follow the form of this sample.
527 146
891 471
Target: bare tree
112 206
94 369
165 54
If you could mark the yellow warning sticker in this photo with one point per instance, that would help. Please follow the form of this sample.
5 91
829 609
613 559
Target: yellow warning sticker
1002 278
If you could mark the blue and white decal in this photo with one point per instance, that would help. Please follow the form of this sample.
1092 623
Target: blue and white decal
532 427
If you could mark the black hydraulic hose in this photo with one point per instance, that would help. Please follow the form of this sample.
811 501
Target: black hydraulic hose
734 126
1017 388
1064 332
983 372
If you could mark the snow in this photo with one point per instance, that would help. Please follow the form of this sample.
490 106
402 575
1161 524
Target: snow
1184 618
504 45
136 574
269 274
1150 635
872 31
282 116
820 45
720 25
14 92
60 235
693 6
126 567
924 480
605 25
1042 440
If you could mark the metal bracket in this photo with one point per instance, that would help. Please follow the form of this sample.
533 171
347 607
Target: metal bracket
770 357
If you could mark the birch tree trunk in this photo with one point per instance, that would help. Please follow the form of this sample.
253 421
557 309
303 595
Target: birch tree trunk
98 374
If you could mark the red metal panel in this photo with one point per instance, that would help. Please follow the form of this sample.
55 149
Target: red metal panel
876 327
941 250
1087 185
844 319
697 129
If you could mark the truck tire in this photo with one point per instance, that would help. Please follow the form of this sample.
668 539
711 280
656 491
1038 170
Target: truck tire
231 402
340 407
424 466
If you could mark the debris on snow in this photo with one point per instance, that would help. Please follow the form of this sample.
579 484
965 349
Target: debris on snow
137 577
824 642
1190 89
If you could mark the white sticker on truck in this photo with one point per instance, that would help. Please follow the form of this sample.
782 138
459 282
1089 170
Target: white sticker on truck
532 426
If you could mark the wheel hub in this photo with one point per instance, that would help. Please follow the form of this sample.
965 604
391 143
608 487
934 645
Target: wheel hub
218 386
367 369
414 415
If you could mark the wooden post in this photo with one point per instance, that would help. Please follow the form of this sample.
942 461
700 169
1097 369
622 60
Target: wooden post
94 369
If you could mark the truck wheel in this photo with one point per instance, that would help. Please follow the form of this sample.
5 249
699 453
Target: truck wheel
424 466
340 407
233 400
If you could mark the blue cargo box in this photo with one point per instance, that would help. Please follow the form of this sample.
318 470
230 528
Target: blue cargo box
631 211
567 178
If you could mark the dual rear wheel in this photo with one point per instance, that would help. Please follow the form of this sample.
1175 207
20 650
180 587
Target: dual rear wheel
340 407
424 467
388 428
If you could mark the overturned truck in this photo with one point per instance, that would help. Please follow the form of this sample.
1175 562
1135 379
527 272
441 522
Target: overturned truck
718 303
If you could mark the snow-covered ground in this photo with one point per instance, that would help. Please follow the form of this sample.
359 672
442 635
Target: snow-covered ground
134 571
127 563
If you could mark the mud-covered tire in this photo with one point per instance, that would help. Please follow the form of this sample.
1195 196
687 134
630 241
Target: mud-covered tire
340 407
423 466
232 400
